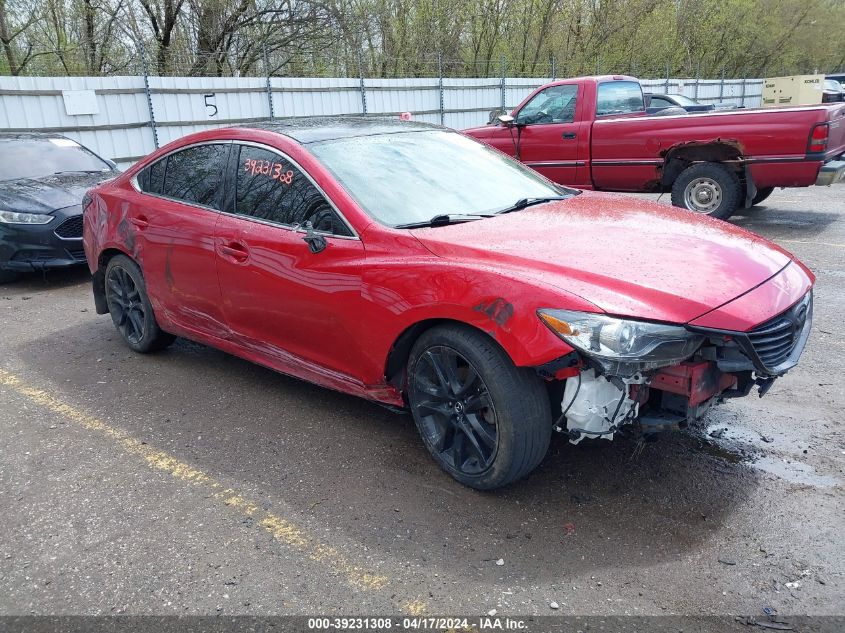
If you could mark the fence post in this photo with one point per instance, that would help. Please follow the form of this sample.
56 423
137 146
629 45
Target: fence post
666 88
742 94
554 68
269 88
440 87
363 88
722 86
146 72
504 71
697 79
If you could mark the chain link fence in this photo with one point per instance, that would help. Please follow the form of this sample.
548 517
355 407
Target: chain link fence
257 61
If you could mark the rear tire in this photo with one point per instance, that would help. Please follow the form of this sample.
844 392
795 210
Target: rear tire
8 276
709 189
761 195
485 421
130 307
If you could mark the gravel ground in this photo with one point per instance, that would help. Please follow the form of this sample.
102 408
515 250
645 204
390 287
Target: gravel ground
192 482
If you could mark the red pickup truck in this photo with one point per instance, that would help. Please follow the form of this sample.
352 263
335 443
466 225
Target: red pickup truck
593 133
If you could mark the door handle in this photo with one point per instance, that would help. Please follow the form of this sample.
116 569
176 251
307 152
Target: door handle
234 250
141 222
568 135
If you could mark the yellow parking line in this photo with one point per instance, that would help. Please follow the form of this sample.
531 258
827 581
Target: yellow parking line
415 607
282 530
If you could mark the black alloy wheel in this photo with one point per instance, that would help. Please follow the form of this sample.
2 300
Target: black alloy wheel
130 307
484 420
125 304
455 412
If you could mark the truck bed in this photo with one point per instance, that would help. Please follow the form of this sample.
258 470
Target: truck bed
761 137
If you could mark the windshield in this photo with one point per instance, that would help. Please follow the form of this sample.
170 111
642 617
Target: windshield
36 158
411 177
684 101
830 84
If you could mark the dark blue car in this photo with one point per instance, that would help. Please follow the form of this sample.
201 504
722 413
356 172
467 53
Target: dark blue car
43 178
656 102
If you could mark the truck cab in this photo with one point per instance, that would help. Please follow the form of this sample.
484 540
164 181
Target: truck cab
551 128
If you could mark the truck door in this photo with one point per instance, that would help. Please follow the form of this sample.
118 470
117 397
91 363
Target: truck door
545 135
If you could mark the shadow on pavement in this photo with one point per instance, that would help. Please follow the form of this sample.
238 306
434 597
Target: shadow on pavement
47 280
780 224
354 466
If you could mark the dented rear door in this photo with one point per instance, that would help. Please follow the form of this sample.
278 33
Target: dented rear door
172 231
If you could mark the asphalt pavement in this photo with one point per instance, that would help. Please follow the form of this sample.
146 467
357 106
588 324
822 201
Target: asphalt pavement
193 482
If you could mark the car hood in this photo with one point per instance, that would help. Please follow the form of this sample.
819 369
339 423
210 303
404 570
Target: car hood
45 195
627 257
483 132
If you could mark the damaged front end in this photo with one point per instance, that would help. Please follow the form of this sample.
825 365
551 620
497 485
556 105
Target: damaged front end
660 377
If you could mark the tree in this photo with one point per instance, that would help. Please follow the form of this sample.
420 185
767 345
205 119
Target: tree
14 23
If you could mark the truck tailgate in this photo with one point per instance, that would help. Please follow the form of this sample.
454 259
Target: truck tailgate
836 138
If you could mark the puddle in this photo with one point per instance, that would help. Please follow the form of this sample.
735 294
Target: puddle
715 450
739 445
794 472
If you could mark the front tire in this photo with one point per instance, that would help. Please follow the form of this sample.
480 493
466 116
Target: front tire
708 188
130 307
485 421
8 276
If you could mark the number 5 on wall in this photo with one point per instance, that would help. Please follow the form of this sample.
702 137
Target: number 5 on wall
209 103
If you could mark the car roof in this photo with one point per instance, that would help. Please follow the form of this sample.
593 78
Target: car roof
315 129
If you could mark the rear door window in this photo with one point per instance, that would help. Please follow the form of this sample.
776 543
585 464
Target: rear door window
192 175
270 187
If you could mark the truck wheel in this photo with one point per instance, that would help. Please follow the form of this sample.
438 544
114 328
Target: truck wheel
762 194
708 188
485 421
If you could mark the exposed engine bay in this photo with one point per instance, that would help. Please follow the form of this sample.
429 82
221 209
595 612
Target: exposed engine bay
603 393
597 406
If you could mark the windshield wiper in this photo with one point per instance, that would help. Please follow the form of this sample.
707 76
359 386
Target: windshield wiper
443 219
527 202
79 171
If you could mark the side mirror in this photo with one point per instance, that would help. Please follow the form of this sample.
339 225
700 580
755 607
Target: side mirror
316 242
506 119
111 164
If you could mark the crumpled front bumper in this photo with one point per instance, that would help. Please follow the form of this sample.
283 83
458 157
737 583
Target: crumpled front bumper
772 348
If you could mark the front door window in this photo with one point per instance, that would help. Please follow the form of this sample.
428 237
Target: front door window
555 104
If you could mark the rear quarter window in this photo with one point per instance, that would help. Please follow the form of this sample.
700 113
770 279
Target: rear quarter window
151 178
192 175
619 97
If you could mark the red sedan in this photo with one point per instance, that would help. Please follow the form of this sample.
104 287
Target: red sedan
411 265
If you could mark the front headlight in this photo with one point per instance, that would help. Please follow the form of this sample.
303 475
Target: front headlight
622 340
13 217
